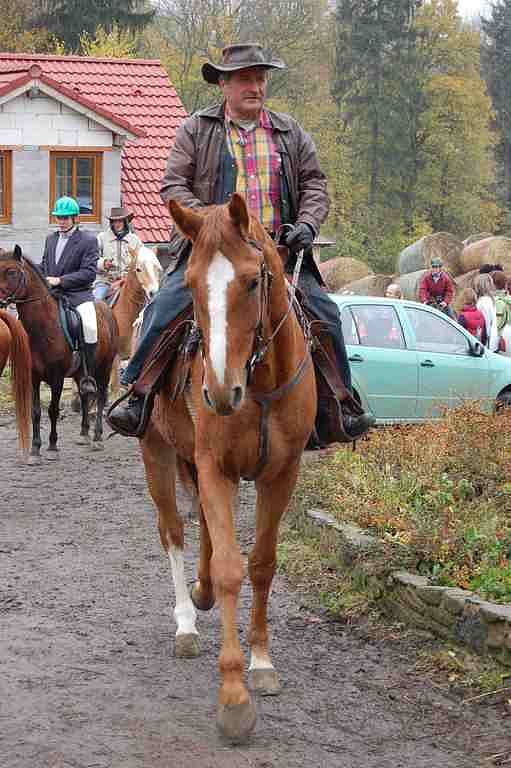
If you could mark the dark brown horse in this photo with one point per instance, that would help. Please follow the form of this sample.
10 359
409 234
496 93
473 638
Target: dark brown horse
14 346
228 426
21 283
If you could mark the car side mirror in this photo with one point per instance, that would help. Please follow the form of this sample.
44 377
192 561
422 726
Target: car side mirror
476 349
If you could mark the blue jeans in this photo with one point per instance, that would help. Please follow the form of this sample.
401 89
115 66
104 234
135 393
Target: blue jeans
172 298
100 290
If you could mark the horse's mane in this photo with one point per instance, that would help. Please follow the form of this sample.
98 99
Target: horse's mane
33 267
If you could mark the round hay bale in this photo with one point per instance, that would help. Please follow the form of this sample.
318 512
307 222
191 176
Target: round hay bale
418 255
372 285
338 272
409 284
491 250
476 238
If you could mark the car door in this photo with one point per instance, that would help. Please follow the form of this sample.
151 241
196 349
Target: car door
381 365
448 372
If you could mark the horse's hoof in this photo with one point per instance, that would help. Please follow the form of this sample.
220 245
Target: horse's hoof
52 454
34 460
201 602
265 682
187 646
97 445
82 440
237 722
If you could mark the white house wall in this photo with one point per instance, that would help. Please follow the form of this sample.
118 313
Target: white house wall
28 127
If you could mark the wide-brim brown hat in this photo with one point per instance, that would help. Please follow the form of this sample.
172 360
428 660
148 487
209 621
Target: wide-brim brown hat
236 57
120 213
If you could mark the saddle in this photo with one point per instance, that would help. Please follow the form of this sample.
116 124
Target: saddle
172 356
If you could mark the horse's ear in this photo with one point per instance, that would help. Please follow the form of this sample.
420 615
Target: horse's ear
18 255
187 221
239 213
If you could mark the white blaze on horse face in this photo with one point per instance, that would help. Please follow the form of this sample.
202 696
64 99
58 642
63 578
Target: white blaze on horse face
184 612
220 274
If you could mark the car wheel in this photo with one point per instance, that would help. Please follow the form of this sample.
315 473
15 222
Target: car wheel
503 401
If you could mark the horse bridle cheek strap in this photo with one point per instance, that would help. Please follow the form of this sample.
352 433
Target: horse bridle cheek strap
12 298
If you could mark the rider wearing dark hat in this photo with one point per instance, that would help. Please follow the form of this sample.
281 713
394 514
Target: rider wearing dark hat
115 244
241 146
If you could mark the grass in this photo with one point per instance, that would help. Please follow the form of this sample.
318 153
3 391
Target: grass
436 494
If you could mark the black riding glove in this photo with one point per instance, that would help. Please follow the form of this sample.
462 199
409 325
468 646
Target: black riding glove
300 238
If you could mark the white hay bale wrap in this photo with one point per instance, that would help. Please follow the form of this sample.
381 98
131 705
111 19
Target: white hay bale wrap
441 245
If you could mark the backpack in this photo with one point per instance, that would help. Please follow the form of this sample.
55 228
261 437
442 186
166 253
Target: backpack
503 310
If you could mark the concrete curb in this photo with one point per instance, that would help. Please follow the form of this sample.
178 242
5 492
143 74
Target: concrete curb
448 612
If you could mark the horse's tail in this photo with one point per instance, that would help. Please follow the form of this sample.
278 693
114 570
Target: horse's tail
21 377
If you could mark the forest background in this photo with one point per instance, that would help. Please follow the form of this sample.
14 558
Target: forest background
408 103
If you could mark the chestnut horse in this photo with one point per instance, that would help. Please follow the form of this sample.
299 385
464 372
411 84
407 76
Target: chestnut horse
15 346
255 360
137 288
21 283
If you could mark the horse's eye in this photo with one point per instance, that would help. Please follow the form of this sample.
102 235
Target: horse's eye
138 269
252 286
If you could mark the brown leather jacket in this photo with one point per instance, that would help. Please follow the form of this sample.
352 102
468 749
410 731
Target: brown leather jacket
195 174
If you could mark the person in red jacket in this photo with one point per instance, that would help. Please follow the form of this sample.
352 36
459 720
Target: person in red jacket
472 318
436 288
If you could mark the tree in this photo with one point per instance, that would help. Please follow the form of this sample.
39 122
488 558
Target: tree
119 44
69 19
17 33
496 59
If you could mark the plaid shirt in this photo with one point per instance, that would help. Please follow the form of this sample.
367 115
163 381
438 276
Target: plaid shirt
258 164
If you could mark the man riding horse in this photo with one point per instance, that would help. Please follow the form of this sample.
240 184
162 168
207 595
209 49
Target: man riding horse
241 146
69 264
115 244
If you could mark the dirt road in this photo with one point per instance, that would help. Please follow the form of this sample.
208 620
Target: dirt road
88 677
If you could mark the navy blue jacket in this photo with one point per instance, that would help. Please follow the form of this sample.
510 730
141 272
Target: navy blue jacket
76 266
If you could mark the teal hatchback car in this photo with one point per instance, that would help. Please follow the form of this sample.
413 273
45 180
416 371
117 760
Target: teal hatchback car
409 361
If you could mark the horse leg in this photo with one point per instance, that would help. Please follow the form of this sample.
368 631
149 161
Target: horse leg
84 438
236 715
160 469
53 413
36 418
272 501
102 379
203 596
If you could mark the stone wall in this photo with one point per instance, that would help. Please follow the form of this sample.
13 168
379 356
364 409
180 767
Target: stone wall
448 612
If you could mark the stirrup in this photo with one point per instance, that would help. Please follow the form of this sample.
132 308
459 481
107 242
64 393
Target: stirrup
147 409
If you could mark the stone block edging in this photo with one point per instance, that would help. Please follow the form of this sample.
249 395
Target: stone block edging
448 612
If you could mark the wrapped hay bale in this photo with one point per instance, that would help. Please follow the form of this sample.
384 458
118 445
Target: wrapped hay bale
491 250
339 272
441 245
372 285
410 283
476 238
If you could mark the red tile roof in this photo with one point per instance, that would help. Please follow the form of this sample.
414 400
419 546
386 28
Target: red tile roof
133 93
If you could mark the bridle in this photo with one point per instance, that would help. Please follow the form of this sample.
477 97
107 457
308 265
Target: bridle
13 297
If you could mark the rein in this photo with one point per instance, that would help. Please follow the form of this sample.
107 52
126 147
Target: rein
13 299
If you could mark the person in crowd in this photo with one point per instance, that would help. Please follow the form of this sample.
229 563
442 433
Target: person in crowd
485 292
393 291
471 317
69 264
437 289
241 146
115 244
503 311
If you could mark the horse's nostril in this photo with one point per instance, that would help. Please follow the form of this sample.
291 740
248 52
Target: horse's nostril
237 395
